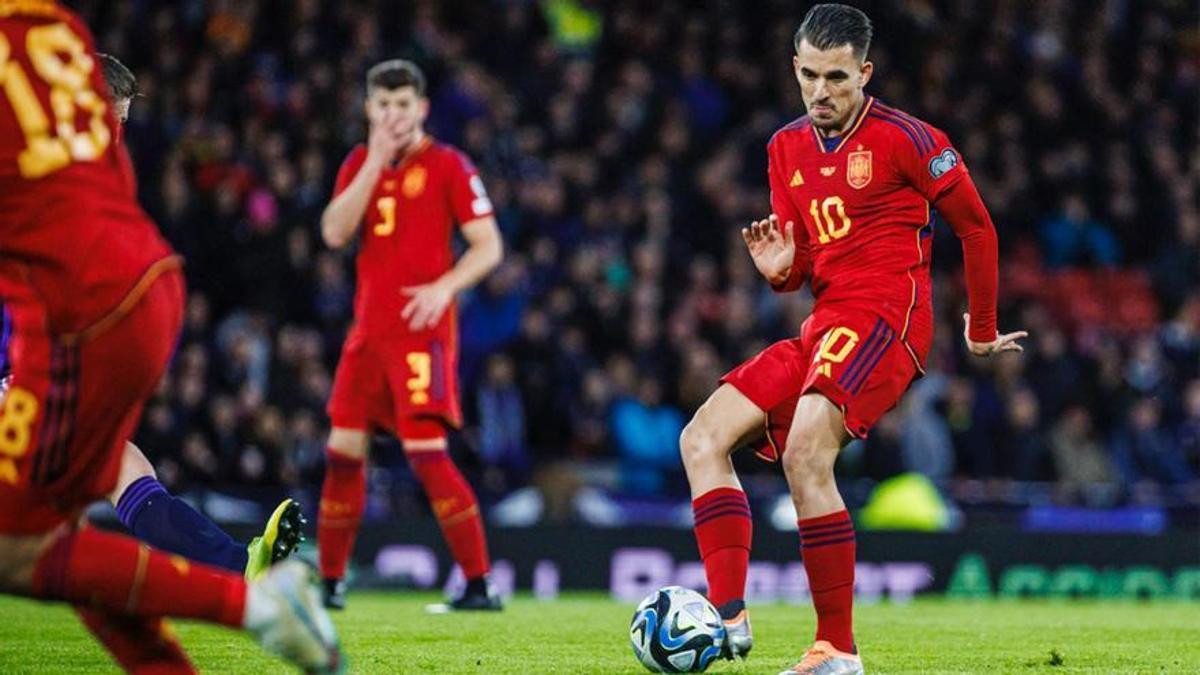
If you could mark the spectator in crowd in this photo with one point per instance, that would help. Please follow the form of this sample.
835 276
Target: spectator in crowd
1073 237
501 420
1026 449
1145 450
646 433
1079 458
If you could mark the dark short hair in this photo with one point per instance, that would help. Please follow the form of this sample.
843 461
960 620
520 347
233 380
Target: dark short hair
831 26
395 74
120 79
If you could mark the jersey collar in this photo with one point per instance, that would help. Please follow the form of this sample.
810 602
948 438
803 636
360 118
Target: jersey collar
858 120
408 157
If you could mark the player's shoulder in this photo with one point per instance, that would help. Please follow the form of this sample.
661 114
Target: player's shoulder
450 156
356 156
904 128
800 125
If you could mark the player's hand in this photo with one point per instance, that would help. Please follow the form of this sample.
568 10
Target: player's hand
772 249
385 139
427 305
1006 342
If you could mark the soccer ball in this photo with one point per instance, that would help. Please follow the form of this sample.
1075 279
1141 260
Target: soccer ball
676 630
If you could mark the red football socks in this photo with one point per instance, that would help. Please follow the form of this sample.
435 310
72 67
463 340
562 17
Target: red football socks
827 547
141 645
723 532
455 508
114 574
343 498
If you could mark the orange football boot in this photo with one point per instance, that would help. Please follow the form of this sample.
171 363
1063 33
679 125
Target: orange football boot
823 659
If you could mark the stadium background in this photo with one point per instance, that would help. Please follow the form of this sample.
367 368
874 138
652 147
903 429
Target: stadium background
623 145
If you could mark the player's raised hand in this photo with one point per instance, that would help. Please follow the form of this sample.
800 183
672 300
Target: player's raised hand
1005 342
773 249
427 305
385 138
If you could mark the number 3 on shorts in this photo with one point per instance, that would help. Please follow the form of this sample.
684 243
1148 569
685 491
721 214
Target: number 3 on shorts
16 426
418 385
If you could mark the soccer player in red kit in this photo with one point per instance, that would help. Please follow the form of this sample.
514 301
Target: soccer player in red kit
95 298
401 196
854 183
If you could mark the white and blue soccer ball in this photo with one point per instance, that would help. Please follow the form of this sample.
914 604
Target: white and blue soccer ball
676 630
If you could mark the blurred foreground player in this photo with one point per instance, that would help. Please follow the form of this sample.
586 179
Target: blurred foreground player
145 507
854 182
142 503
96 299
401 196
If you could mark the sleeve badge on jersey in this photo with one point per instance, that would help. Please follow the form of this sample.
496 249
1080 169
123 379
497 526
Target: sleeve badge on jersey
940 165
414 181
858 169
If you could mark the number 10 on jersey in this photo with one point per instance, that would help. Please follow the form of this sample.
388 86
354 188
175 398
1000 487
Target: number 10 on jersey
829 215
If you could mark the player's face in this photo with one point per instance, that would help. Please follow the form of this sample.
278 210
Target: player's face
407 109
831 83
121 109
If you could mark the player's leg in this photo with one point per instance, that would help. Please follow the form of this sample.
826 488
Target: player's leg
359 402
343 499
96 389
719 427
164 521
116 576
723 523
745 405
139 644
454 505
826 531
422 382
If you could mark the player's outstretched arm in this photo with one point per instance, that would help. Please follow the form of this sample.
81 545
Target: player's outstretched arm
344 214
964 210
772 248
429 301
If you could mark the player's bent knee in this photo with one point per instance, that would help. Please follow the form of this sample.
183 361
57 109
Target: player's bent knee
134 465
349 443
808 461
697 442
134 462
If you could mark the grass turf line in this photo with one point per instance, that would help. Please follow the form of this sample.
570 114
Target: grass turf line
587 633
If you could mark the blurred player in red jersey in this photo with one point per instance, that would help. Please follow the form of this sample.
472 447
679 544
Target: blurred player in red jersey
398 368
854 183
95 298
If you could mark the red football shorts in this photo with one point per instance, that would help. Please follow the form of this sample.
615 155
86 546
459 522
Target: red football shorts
852 357
396 384
75 401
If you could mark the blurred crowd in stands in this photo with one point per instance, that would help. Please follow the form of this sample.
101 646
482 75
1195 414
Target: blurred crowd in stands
623 144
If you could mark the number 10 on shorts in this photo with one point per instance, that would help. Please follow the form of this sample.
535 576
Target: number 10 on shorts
836 346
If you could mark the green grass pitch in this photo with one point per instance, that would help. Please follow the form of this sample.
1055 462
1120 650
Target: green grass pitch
587 633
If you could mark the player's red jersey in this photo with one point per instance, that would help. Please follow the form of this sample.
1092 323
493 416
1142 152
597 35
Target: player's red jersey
94 293
861 207
389 375
408 229
69 228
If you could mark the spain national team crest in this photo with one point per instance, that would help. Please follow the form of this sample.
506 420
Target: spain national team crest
414 181
858 169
